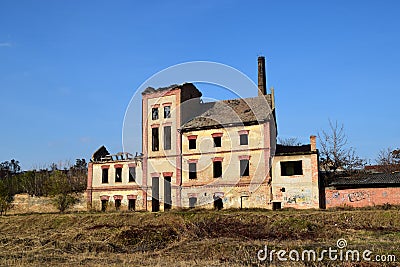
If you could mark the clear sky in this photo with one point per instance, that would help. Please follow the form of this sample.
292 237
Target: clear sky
68 69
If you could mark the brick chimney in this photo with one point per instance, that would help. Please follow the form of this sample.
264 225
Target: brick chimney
313 142
262 84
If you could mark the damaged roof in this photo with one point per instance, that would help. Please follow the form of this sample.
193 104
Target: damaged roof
228 112
150 90
286 150
185 87
368 180
100 153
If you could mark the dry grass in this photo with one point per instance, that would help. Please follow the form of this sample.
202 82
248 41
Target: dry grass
191 238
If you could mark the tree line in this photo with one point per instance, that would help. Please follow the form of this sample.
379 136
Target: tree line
57 181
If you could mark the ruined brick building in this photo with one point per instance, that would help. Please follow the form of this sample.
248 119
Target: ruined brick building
211 155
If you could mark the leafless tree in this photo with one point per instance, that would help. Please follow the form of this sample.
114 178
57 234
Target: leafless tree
388 160
335 153
290 141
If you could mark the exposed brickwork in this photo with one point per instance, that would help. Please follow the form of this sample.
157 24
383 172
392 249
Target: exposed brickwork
362 197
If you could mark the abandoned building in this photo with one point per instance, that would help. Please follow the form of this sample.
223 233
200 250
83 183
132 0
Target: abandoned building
209 155
114 179
295 180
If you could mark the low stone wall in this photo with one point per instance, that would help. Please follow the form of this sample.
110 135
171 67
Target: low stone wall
23 203
362 197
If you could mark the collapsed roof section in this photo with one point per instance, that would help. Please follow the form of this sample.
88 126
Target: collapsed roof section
245 111
102 154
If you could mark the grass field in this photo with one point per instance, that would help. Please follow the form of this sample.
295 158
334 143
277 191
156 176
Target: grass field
194 238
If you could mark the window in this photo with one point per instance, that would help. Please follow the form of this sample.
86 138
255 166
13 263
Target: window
192 143
154 114
167 112
217 141
132 174
192 202
192 171
104 177
244 139
117 204
244 167
154 139
167 137
118 175
132 204
217 169
289 168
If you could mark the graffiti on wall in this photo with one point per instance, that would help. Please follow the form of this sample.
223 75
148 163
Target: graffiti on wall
362 197
299 197
358 196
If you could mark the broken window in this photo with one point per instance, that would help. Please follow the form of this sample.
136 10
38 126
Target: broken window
118 175
132 174
217 169
192 171
154 114
117 204
289 168
192 143
167 112
192 202
244 139
244 167
104 176
154 139
167 137
217 141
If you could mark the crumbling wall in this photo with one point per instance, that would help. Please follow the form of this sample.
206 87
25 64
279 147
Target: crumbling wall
24 203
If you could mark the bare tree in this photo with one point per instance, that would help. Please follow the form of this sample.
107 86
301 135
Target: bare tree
388 160
290 141
335 154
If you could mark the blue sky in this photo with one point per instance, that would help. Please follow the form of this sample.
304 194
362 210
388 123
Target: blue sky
68 69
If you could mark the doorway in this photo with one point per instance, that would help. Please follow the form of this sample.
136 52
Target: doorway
276 205
167 193
155 195
104 205
218 204
132 204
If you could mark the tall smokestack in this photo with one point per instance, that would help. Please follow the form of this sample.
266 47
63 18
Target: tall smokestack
262 83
